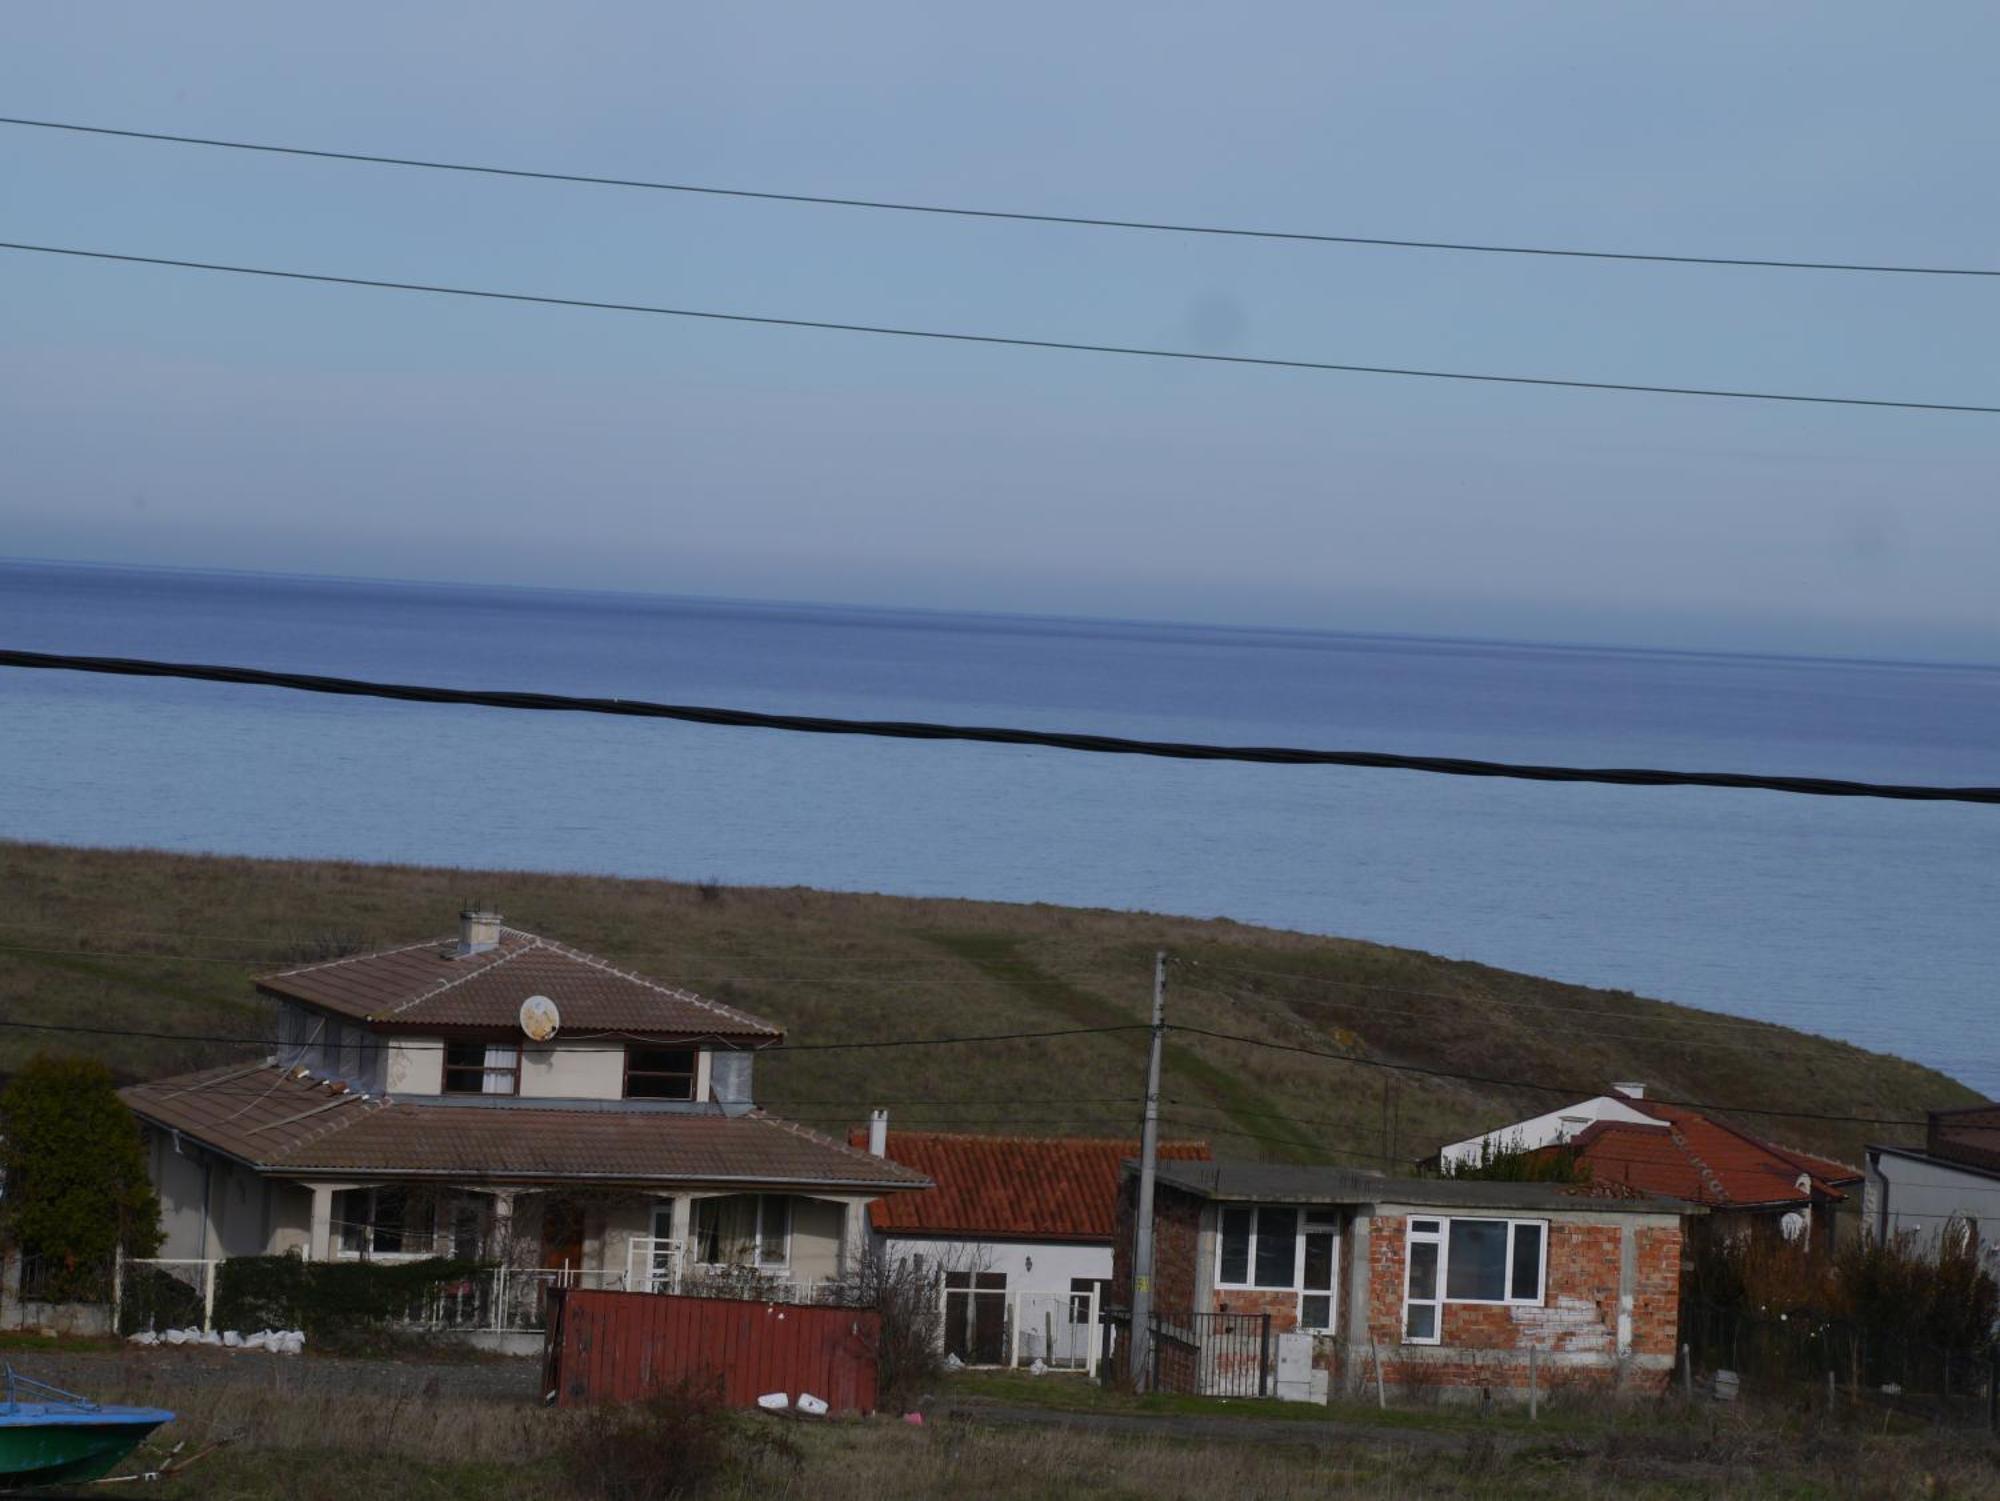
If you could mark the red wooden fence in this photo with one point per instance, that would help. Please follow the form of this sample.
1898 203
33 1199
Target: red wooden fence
619 1347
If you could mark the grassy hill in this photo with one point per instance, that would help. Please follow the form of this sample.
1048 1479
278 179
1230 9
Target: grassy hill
153 942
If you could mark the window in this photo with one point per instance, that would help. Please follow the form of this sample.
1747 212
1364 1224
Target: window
743 1230
1282 1249
659 1073
481 1068
382 1222
1259 1248
1468 1261
1080 1289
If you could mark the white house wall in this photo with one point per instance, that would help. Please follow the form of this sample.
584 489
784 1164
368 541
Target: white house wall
416 1065
1547 1130
560 1073
1054 1263
1921 1196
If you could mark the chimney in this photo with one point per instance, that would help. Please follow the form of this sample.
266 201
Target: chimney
478 931
1631 1090
878 1133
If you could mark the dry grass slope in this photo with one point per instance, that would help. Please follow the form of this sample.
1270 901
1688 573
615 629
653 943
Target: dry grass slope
168 943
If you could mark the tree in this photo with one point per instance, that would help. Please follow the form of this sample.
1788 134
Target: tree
75 1189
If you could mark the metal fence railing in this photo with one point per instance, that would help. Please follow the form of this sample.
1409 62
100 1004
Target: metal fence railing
1213 1354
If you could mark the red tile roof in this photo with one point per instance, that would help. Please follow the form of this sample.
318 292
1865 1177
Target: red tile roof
285 1121
429 984
1695 1157
1012 1187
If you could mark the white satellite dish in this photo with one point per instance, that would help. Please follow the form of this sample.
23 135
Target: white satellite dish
540 1018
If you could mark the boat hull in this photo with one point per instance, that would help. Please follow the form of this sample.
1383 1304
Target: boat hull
43 1448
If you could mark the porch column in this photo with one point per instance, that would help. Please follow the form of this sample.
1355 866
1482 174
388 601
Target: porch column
501 1236
680 1221
319 1239
1357 1312
853 1236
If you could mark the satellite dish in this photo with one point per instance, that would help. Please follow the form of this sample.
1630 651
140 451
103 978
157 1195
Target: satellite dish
540 1018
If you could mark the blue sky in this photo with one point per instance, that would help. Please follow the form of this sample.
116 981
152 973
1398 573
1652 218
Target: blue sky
170 417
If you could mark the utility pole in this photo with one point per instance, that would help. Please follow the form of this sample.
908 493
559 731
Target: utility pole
1141 1369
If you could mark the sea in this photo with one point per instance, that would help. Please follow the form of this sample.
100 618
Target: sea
1875 922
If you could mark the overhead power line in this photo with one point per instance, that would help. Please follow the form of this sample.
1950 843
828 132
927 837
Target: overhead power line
1002 340
983 734
1087 221
1585 1090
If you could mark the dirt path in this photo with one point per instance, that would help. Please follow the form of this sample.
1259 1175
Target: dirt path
1243 1430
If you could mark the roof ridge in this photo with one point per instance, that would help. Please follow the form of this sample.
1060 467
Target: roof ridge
819 1136
456 980
597 962
1707 1174
306 969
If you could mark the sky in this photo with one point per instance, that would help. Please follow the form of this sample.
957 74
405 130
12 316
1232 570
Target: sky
159 416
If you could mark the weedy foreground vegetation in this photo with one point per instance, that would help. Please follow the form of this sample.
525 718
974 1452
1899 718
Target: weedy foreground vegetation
431 1446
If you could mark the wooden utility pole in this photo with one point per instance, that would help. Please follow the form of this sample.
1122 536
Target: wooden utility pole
1141 1369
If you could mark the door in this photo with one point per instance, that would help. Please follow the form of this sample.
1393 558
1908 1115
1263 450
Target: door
975 1316
562 1239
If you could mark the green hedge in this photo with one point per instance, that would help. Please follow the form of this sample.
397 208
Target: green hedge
328 1299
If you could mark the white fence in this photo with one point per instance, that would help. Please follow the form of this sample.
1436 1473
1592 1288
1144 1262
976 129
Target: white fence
166 1293
1059 1329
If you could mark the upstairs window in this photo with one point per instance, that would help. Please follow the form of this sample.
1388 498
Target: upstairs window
481 1068
659 1073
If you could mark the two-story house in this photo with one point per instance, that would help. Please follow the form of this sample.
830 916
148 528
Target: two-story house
496 1095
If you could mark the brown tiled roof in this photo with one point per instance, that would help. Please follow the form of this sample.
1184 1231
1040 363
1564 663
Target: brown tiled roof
1012 1187
1706 1161
1970 1134
428 985
281 1121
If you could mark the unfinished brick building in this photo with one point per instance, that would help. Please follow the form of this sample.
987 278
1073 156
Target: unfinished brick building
1433 1283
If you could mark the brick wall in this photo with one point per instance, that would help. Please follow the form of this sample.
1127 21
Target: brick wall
1574 1329
1176 1245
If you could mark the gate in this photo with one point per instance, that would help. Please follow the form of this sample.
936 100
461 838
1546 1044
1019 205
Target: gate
1213 1355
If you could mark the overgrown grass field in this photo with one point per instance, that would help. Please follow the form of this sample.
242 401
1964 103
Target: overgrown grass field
158 943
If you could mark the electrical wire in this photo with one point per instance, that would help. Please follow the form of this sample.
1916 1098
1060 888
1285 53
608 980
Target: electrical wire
1071 346
781 1049
1018 216
986 735
1574 1090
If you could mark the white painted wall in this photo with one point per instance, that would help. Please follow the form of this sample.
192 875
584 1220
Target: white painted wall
416 1065
1054 1262
556 1072
1921 1195
1547 1130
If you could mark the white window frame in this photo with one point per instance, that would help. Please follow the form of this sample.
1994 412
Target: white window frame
1329 1222
1441 1238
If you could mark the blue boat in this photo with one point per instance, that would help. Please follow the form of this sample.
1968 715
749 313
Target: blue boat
49 1436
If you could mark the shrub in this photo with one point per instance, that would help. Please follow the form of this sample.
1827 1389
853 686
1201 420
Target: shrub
77 1191
1517 1163
678 1444
334 1301
907 1298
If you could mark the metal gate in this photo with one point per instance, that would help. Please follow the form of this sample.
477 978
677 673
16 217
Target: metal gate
1213 1355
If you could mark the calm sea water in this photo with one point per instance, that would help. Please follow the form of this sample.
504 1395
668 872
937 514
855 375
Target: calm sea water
1869 921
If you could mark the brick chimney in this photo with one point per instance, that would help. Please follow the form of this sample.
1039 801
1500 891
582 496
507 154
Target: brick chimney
478 931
